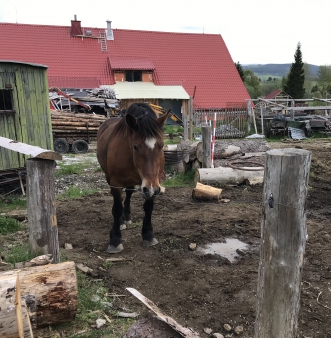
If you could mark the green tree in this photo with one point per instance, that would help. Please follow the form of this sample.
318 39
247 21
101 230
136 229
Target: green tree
240 71
324 80
252 84
294 85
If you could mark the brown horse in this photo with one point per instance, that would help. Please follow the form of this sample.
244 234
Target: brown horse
130 152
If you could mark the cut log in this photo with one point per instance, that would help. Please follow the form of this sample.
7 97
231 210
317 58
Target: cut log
206 192
229 148
14 318
225 175
50 292
189 149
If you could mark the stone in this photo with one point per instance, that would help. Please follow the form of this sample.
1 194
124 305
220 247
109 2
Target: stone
227 327
239 330
100 322
192 246
68 246
207 330
217 335
240 252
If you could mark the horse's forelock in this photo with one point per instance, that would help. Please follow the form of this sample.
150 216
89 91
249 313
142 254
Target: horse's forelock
147 125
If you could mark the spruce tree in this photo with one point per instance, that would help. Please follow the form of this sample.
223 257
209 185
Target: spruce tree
294 85
240 71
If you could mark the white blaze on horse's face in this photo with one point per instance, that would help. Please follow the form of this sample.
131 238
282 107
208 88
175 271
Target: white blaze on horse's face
151 142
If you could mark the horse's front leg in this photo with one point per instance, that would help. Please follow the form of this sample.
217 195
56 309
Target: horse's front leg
115 244
147 229
126 219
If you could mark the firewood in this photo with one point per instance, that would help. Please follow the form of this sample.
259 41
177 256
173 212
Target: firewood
206 192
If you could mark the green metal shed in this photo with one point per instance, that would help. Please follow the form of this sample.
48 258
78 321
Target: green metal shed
24 109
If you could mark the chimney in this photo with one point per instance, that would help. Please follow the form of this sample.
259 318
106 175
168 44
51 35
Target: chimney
76 28
109 32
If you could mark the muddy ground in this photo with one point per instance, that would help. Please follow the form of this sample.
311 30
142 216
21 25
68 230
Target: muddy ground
203 291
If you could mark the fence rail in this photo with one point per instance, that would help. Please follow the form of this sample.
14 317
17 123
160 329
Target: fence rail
228 123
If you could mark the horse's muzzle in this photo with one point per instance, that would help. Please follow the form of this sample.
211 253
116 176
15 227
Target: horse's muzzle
150 193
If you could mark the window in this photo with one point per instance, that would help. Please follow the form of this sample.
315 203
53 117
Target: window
133 75
6 100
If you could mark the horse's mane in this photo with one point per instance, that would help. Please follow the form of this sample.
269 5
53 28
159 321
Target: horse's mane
146 118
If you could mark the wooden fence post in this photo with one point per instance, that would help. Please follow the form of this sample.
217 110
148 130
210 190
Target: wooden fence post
283 239
206 151
42 221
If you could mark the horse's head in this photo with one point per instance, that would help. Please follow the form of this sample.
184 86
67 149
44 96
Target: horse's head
147 147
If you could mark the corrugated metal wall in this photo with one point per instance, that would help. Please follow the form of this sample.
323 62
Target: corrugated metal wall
30 122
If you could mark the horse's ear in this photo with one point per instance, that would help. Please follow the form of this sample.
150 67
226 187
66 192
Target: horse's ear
161 120
131 121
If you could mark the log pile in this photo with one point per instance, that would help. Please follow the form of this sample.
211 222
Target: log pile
225 150
72 126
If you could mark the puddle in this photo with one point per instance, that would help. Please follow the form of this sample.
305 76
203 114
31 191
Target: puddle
227 249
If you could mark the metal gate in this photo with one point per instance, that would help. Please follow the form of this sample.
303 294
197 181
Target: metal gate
226 123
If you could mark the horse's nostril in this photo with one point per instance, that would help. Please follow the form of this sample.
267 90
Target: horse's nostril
145 190
157 191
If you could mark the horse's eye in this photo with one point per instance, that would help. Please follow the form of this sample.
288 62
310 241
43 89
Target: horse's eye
135 147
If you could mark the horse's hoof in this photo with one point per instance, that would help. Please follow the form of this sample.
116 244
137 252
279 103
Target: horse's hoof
122 226
115 249
146 243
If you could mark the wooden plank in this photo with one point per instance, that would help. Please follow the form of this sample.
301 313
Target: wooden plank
183 331
283 239
27 149
14 319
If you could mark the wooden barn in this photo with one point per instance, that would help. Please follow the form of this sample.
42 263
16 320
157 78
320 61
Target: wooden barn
24 109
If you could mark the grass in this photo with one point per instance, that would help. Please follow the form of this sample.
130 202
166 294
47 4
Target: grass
75 192
9 225
70 169
12 202
92 302
173 129
18 253
180 180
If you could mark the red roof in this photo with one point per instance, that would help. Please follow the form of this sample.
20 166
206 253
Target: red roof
201 63
274 93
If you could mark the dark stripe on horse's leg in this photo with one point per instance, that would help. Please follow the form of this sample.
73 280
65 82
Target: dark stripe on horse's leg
147 229
127 208
117 211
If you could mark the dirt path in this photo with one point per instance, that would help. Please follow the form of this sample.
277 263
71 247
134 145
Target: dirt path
204 290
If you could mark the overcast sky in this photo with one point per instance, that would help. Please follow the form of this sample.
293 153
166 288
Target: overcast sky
255 31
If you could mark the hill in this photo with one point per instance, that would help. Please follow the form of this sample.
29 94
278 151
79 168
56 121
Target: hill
274 69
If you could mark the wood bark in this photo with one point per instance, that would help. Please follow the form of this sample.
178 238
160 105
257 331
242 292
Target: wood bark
225 175
229 148
189 150
42 221
49 291
206 150
14 318
206 192
283 239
